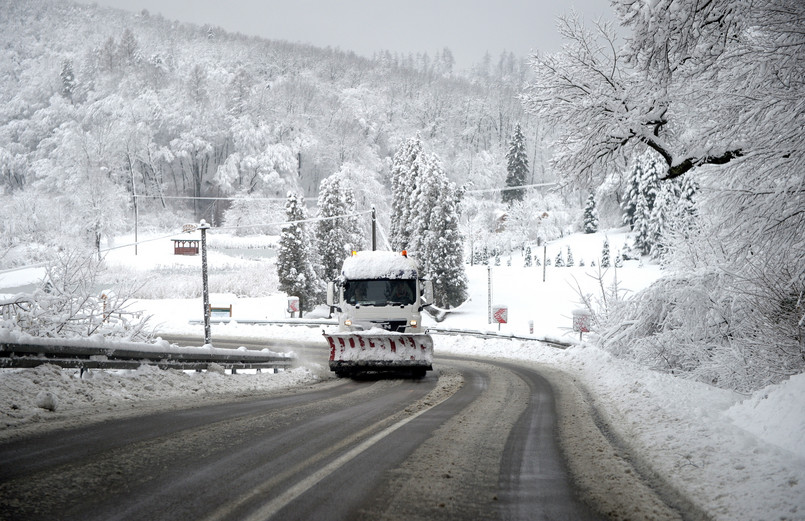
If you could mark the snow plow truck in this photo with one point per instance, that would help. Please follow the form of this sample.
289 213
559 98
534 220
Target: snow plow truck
379 298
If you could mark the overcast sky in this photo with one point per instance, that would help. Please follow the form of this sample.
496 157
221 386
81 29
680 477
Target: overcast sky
469 28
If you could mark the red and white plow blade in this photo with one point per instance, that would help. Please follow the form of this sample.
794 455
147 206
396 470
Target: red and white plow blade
380 349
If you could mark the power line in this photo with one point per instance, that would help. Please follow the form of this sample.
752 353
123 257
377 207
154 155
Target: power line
194 198
179 232
488 190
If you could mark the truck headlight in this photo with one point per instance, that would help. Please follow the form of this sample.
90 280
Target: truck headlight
413 323
347 322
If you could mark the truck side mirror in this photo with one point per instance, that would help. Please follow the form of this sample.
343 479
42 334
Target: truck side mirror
428 287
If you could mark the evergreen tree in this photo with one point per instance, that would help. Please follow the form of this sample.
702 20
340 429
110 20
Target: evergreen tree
294 259
664 206
442 245
425 220
629 203
516 167
67 80
527 259
649 187
404 183
338 236
590 216
605 254
560 261
570 261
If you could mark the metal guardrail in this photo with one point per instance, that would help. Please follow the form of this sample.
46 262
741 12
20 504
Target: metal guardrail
508 336
438 330
110 357
313 322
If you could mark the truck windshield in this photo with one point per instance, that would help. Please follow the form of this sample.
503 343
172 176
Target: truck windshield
383 292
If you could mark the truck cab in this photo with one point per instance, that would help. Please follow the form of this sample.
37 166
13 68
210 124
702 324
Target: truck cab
379 289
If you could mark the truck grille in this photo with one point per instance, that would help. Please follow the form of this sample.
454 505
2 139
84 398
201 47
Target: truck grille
396 326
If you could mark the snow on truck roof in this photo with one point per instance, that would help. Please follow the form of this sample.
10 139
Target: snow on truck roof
379 265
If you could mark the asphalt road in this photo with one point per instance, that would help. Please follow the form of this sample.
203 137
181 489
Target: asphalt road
472 440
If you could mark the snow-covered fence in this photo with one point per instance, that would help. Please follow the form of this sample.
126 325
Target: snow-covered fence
85 354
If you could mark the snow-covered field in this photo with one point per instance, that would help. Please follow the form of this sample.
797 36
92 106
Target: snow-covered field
735 456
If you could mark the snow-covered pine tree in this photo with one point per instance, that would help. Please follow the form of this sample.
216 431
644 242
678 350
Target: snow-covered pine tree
516 167
642 240
570 261
629 203
685 212
605 251
404 182
649 187
560 261
527 260
68 83
441 246
590 215
297 277
337 236
665 204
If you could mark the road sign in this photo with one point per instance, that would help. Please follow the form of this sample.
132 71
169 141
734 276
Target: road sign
500 314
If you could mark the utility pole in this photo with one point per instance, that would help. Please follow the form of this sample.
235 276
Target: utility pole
374 229
203 226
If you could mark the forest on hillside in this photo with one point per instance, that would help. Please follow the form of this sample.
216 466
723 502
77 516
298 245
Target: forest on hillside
100 105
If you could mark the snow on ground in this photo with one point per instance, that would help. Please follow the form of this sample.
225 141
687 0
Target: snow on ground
735 456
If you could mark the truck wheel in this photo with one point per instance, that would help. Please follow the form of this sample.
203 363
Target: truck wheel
419 372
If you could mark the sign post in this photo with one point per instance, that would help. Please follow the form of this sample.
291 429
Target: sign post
581 321
293 306
501 315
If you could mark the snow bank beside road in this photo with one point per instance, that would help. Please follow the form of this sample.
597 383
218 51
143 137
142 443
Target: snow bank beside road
38 398
776 414
692 437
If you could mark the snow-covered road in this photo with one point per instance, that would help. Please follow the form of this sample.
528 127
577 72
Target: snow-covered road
471 440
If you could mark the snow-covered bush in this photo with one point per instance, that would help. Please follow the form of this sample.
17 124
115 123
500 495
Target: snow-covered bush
70 305
708 326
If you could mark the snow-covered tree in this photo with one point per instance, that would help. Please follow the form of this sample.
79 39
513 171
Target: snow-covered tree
295 258
339 234
249 215
527 260
570 261
436 222
665 205
68 83
560 260
605 253
516 167
590 215
714 89
425 220
404 181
